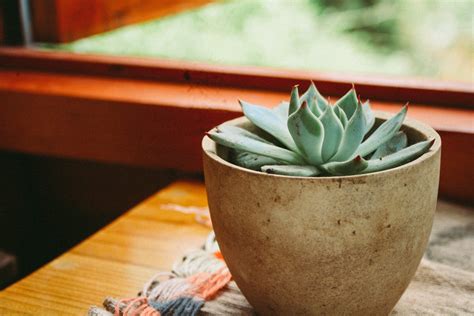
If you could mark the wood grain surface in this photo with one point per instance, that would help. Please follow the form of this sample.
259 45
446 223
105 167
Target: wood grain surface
116 261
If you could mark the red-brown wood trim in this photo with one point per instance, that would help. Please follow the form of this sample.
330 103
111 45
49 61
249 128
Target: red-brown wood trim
457 177
196 96
160 124
44 21
66 20
393 89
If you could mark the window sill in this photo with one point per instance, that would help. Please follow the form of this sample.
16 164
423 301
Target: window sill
117 110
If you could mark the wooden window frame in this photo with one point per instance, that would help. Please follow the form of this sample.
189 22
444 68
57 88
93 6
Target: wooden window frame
62 21
153 113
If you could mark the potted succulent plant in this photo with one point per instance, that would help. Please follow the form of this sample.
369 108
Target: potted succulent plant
321 208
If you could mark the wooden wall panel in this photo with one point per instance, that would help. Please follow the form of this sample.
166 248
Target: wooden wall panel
107 131
66 20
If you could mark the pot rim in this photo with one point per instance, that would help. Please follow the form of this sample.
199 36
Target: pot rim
209 149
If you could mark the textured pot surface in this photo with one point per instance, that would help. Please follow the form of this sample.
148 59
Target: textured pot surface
330 245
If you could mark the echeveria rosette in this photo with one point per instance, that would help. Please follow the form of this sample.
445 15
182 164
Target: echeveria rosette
311 137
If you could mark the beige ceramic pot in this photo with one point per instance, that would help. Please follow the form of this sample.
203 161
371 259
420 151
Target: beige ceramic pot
323 246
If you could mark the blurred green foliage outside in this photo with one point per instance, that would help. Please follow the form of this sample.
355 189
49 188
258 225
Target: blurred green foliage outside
423 38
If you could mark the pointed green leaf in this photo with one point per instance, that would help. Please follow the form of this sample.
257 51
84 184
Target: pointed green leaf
308 134
343 168
383 133
369 116
352 137
226 128
294 101
394 144
252 161
348 103
321 102
316 102
270 122
341 115
291 170
333 131
310 96
244 143
400 157
310 93
314 108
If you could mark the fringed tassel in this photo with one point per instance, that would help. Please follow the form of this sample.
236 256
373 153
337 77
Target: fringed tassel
185 306
200 283
132 307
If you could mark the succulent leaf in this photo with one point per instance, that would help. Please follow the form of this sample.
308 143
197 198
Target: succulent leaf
341 115
310 93
292 170
352 137
253 161
308 134
313 106
333 131
321 102
351 166
369 116
282 110
270 122
348 103
244 143
227 128
394 144
383 133
311 97
294 101
399 158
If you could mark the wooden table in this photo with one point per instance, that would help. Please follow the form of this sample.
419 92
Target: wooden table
117 260
121 257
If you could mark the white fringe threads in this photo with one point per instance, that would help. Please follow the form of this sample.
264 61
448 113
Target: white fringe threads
166 286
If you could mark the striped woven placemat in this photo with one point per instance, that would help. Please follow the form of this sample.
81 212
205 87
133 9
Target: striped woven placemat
198 284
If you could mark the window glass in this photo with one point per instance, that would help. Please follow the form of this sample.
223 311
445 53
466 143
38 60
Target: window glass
422 38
